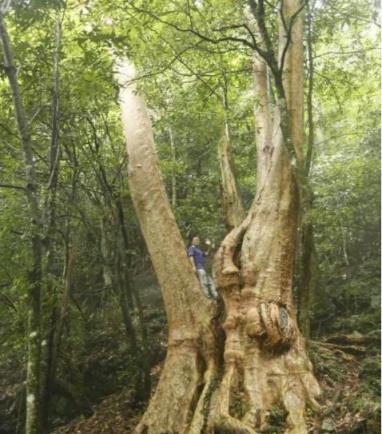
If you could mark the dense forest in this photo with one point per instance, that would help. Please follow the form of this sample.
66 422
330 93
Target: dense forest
132 131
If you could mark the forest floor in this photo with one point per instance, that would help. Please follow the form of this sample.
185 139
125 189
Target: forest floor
346 404
347 368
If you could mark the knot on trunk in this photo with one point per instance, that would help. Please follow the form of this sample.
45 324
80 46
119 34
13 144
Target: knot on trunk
272 325
226 267
226 273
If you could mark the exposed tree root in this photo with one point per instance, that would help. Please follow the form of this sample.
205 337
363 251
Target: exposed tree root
224 420
200 421
356 339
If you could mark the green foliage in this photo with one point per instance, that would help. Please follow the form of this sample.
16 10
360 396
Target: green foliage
370 375
183 79
346 169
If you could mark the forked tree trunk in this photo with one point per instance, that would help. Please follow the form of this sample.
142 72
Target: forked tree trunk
226 377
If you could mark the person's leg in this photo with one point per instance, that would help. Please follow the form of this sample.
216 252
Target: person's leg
211 287
203 282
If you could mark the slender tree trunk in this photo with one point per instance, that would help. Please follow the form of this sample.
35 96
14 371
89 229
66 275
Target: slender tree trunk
70 257
307 272
59 325
117 271
59 320
35 272
124 305
311 131
344 241
49 216
144 354
106 259
307 275
116 277
114 270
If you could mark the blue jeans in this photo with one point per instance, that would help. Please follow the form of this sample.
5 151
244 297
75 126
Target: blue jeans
207 284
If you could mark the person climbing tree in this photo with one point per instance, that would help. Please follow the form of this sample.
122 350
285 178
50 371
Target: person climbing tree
197 256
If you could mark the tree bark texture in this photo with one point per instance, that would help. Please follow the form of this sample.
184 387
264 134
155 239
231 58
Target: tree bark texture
307 273
173 169
188 313
228 364
232 205
291 34
307 276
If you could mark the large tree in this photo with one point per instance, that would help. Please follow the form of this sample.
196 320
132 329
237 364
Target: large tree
225 369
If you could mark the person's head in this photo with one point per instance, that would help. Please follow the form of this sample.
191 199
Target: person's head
195 241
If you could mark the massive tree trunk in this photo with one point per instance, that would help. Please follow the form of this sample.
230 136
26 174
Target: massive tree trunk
190 339
225 370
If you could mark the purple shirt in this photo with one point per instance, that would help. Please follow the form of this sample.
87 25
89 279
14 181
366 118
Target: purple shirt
198 256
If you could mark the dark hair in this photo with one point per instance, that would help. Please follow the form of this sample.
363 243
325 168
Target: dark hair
191 238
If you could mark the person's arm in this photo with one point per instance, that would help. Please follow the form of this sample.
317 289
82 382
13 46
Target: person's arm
208 244
190 254
192 263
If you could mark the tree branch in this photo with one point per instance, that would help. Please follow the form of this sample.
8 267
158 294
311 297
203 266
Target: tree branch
196 32
16 187
309 151
268 55
5 7
288 30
